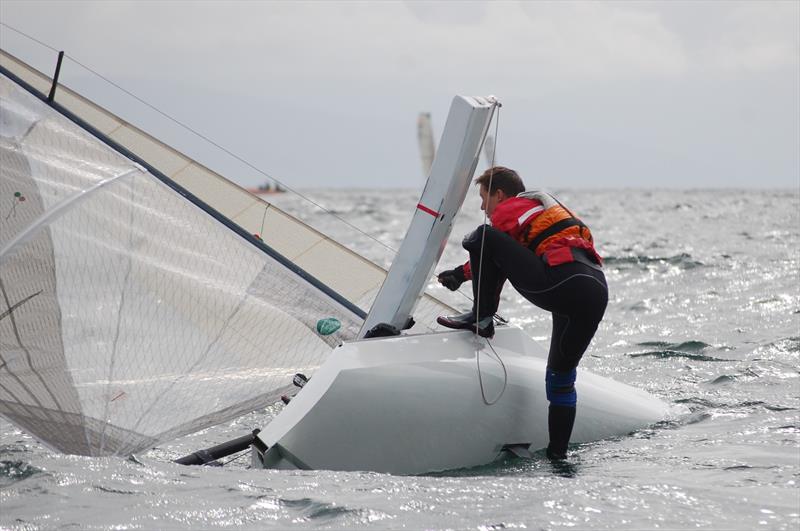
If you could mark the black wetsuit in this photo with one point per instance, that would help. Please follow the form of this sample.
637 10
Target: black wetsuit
575 293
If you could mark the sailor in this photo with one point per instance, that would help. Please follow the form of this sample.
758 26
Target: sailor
548 256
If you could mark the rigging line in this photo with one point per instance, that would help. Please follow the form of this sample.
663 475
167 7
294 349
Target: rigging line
485 216
212 142
480 274
34 39
480 377
242 454
18 304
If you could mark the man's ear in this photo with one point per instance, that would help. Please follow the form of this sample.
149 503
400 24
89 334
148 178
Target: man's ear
501 195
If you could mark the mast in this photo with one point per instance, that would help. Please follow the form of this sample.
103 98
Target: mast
447 186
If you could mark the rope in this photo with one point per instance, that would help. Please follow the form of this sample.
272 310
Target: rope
480 378
480 271
242 454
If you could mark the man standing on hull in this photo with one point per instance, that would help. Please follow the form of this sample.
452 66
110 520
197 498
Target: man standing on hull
548 256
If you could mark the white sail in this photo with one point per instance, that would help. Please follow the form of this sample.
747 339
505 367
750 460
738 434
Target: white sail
345 272
489 154
427 145
131 312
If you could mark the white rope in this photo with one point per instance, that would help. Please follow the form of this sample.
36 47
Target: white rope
480 377
480 271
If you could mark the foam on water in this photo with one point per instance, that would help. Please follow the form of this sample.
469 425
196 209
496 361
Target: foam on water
704 313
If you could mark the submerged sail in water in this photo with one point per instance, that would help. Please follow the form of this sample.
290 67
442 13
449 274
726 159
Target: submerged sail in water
427 145
132 312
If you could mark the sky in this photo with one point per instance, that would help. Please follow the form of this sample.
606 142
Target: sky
630 94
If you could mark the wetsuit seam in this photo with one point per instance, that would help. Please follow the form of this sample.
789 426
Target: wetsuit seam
562 282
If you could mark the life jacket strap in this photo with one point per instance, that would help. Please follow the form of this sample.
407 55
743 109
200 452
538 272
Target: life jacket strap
554 229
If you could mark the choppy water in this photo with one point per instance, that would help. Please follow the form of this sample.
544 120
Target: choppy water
704 312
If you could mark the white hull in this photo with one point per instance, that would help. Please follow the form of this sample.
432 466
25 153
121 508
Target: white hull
413 404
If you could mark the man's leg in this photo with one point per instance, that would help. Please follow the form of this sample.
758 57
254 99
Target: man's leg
586 298
495 256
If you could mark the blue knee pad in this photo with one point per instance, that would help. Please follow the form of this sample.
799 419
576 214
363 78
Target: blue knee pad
560 387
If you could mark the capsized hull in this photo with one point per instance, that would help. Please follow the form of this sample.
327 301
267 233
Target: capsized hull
416 404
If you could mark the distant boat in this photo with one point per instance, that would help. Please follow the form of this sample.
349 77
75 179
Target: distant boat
266 188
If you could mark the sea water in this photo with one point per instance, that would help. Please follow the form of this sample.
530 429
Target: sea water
704 312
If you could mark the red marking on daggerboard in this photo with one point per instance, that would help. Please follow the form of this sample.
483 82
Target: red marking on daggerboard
427 210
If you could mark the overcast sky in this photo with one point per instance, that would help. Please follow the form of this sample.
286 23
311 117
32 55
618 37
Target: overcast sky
595 94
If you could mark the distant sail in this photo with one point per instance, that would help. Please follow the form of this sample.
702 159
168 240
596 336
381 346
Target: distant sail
489 154
131 312
427 145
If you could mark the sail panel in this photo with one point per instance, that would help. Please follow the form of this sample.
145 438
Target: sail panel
289 236
344 267
168 161
129 314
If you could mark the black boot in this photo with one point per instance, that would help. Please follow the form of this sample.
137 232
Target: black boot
466 321
560 420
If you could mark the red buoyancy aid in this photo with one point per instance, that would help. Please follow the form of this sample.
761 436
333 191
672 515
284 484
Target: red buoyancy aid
540 221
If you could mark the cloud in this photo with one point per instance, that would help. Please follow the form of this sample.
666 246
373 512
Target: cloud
603 40
450 13
625 81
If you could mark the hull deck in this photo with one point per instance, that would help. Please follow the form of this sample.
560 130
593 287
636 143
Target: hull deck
417 404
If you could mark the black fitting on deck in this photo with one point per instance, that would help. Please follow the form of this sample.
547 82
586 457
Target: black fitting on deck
209 455
55 77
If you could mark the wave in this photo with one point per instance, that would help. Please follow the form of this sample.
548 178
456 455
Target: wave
682 260
315 510
13 471
685 346
692 350
786 344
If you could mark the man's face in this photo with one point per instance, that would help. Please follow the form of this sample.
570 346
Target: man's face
490 201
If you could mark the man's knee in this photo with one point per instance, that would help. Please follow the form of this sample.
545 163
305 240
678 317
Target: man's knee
560 387
473 240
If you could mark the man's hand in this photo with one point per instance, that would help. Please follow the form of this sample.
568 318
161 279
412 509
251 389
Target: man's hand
452 278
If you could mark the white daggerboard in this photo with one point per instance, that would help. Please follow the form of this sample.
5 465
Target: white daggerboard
447 186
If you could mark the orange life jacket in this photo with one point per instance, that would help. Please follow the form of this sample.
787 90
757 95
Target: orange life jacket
554 223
